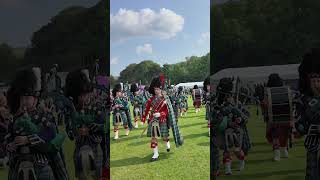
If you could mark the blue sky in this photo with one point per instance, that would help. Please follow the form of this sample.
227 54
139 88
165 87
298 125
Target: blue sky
165 31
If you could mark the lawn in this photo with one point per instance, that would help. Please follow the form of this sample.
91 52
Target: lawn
130 156
259 164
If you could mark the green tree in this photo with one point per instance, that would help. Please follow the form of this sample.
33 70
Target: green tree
74 38
258 32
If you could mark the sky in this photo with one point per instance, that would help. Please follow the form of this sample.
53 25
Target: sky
165 31
20 18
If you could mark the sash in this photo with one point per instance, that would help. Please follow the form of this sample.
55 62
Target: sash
157 104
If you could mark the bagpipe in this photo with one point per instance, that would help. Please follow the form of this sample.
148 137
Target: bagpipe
24 126
25 158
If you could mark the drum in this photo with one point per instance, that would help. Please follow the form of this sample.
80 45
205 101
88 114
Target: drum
280 108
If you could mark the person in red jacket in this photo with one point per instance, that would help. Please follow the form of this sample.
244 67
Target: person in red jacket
157 108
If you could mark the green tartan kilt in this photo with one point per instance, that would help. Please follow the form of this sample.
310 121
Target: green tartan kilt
164 130
123 117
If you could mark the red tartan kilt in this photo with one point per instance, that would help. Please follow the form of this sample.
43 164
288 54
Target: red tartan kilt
281 131
197 103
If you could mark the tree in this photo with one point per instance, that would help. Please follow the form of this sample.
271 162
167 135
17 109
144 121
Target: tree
193 69
74 38
8 62
258 32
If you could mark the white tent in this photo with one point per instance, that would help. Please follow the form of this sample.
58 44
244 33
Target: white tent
252 75
189 85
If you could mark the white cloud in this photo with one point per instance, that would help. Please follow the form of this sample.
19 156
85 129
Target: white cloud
205 37
146 48
126 24
114 60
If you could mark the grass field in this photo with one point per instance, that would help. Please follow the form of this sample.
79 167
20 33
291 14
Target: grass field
259 164
130 156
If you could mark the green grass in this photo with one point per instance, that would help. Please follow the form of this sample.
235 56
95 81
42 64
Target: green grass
130 156
259 164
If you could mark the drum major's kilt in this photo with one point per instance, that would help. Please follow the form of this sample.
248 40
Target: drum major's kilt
164 130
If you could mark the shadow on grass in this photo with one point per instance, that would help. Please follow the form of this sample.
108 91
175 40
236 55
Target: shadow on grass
140 143
196 116
137 160
206 144
268 174
191 136
190 125
252 151
255 144
260 161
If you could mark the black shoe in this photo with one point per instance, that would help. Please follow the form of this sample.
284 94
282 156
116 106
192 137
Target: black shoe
168 150
154 159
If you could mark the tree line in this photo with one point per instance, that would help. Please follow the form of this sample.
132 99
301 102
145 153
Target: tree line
74 38
259 32
191 70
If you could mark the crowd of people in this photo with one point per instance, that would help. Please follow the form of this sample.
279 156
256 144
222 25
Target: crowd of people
288 114
158 107
37 114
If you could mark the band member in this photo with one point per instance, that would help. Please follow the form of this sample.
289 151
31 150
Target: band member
175 101
34 143
86 125
183 102
119 108
206 88
161 117
196 96
53 93
53 80
102 101
137 104
277 133
228 123
308 121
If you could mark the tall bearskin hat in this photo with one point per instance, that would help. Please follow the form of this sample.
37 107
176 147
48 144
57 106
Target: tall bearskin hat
309 67
27 82
77 83
224 89
274 80
134 88
205 83
156 83
117 88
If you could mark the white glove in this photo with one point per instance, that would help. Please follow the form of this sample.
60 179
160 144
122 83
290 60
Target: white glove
156 115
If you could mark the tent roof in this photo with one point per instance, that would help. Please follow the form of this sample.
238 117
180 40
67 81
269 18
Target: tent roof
190 84
259 73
